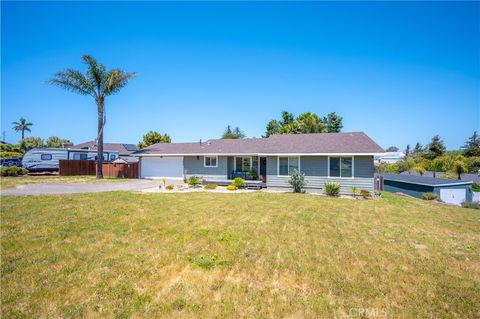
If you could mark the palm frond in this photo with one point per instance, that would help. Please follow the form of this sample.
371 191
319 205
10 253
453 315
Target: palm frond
116 80
96 73
74 81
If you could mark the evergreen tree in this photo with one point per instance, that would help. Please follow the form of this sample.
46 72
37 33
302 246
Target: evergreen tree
238 133
287 118
472 146
418 150
233 134
333 122
436 148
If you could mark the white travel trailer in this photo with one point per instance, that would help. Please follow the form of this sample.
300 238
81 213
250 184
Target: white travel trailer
47 159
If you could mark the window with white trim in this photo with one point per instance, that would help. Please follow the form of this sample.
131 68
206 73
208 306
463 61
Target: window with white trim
286 165
341 167
210 161
243 163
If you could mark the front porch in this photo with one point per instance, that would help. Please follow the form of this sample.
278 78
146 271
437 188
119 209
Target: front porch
249 168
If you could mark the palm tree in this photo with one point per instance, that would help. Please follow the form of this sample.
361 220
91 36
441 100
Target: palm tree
22 125
98 83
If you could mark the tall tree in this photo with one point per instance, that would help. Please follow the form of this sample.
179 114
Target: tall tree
418 150
392 149
309 122
98 83
153 137
233 134
334 123
239 133
228 133
273 127
21 126
287 118
436 148
472 146
55 141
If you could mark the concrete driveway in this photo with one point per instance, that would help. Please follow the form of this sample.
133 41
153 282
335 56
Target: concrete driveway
72 188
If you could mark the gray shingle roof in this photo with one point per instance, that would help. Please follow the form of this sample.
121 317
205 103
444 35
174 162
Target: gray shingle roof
423 180
122 149
355 142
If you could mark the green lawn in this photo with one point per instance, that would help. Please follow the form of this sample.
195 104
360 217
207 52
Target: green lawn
12 182
255 255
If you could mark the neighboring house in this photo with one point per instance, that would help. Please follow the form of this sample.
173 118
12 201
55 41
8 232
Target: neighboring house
449 191
124 150
343 157
389 157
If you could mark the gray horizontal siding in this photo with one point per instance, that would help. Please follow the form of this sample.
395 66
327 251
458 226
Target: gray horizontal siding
315 169
317 184
194 167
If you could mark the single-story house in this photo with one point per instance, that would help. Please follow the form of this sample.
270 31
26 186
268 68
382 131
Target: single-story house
449 191
343 157
124 150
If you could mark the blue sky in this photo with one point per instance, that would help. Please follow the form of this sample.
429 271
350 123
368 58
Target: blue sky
401 72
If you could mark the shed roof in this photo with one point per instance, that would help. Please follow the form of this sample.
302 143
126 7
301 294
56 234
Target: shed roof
320 143
423 180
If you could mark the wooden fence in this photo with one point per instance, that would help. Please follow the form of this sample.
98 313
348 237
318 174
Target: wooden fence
85 167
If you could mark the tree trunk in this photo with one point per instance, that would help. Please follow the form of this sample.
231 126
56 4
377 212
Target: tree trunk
23 134
100 103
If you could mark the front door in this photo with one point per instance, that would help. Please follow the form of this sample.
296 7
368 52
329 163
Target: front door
263 169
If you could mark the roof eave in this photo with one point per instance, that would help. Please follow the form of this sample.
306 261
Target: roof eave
260 154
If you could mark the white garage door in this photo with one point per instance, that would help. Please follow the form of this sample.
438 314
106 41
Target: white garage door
160 167
453 196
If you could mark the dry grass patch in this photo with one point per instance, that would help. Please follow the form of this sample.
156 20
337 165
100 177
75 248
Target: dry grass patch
206 255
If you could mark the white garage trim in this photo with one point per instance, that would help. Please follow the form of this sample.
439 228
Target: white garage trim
453 196
162 167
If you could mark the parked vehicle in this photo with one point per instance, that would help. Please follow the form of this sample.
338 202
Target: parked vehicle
47 159
12 162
